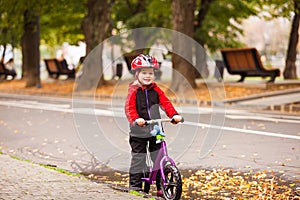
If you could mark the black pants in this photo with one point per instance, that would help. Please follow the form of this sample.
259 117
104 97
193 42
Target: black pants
138 160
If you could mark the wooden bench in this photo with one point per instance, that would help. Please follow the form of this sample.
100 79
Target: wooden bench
247 63
6 72
56 68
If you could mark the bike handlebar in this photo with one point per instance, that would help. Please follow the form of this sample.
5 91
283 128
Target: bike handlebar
153 121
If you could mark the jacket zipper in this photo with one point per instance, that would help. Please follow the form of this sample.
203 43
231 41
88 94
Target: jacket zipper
147 101
148 107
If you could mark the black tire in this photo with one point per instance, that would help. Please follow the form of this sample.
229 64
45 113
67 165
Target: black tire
173 188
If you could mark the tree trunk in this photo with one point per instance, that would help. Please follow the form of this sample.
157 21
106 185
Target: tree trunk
96 29
201 67
183 71
290 71
30 50
3 53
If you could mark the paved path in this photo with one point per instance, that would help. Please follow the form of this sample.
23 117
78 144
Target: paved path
268 100
24 180
274 100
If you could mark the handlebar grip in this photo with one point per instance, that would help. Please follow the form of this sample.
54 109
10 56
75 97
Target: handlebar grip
172 120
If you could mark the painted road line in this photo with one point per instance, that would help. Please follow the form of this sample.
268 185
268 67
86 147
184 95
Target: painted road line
61 108
102 112
264 133
261 118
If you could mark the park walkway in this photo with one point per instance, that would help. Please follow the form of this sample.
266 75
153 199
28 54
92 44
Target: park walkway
25 180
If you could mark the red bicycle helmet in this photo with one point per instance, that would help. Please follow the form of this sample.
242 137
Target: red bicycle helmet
144 61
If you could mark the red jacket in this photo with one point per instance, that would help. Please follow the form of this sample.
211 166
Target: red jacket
145 103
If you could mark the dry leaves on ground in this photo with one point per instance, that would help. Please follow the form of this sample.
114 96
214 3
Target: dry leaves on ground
224 184
119 88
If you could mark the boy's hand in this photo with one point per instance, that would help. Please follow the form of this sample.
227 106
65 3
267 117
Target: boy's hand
140 122
176 119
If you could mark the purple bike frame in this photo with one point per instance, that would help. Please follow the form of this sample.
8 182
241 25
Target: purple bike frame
160 160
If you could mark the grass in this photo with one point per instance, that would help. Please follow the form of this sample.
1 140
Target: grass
136 193
17 158
60 170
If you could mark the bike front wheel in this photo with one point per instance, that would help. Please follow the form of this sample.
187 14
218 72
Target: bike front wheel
172 188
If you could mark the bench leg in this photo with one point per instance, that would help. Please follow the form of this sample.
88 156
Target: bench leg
13 76
242 78
273 77
70 76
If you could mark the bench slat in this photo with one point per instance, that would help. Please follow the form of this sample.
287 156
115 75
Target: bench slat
52 65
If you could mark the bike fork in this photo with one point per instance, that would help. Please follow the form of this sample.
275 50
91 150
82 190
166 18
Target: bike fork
163 162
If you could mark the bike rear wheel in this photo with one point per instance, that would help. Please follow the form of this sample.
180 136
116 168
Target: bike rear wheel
172 188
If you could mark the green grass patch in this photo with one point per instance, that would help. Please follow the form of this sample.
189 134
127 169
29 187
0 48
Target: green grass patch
49 167
136 193
60 170
17 158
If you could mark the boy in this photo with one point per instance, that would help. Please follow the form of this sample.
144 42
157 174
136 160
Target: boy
142 103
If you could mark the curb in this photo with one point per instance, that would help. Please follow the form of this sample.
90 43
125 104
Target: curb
291 107
257 96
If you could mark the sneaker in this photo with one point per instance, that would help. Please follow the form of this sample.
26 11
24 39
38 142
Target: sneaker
160 193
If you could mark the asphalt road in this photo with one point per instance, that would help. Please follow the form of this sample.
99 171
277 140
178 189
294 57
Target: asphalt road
83 135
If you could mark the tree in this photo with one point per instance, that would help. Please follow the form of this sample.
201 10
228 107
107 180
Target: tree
216 23
183 12
20 20
278 8
290 63
96 27
201 70
61 20
30 48
34 10
136 14
9 30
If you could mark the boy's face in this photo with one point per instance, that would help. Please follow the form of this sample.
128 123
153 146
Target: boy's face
146 76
